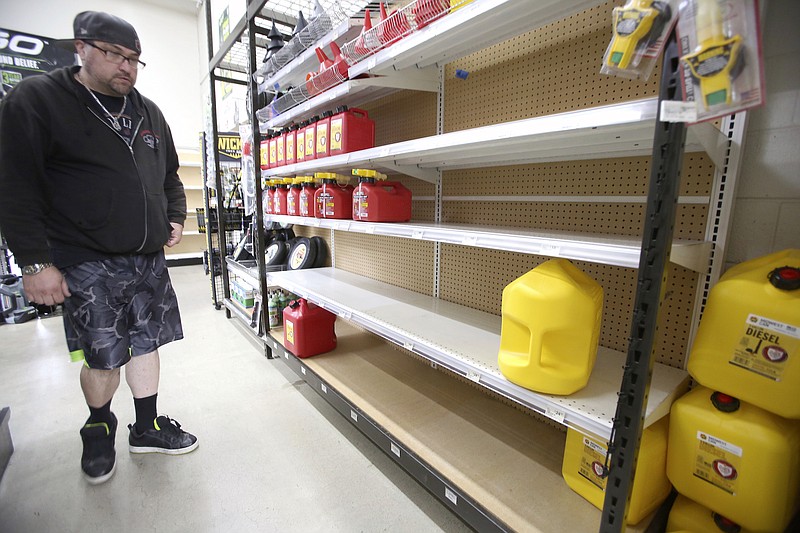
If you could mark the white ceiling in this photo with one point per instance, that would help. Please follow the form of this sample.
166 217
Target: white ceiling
186 6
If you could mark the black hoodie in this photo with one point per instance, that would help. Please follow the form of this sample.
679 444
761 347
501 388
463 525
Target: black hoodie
71 189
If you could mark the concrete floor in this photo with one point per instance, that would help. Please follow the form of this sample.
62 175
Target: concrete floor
273 456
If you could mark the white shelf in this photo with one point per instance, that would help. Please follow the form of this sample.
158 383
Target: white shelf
466 341
616 130
595 248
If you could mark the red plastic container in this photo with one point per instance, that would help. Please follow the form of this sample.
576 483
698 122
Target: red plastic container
333 200
266 200
293 199
311 139
279 199
306 201
323 128
273 150
291 138
300 142
308 330
381 201
351 130
281 148
265 154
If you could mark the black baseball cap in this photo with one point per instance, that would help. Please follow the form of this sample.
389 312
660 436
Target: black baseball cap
99 26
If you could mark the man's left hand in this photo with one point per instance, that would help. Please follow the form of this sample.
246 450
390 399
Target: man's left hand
176 235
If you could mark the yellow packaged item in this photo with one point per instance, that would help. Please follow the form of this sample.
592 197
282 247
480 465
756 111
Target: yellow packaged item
550 328
735 458
583 470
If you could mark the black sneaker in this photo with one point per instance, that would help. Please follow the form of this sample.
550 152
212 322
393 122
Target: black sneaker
166 437
99 458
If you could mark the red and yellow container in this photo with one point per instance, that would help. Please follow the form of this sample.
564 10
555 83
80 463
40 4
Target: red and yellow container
264 160
550 328
306 200
293 197
308 330
334 197
300 142
279 198
351 130
311 139
378 200
584 471
322 132
291 140
748 342
735 458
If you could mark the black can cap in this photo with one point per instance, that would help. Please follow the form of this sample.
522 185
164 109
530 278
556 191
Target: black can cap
724 402
786 278
726 525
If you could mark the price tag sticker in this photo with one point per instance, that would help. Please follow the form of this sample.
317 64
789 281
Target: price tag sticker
470 240
473 376
354 415
555 414
551 250
416 234
450 495
672 111
370 229
303 370
324 388
347 315
395 448
408 346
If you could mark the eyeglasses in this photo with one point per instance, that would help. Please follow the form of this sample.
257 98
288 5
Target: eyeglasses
117 59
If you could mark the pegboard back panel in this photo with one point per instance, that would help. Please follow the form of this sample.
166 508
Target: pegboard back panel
624 176
552 69
402 116
404 263
476 277
610 218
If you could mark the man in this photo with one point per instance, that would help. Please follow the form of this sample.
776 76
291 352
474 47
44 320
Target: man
89 196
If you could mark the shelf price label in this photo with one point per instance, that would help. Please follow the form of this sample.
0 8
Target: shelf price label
473 376
408 346
470 240
354 415
555 414
347 315
324 388
395 448
551 250
450 495
416 234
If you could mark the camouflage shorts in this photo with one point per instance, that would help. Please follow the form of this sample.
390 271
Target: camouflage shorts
120 307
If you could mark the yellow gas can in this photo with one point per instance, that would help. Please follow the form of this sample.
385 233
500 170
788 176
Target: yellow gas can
735 458
748 342
550 328
583 470
688 516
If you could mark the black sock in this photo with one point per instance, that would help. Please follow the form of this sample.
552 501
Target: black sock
145 412
100 414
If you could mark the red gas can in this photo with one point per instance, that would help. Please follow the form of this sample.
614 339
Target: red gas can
323 135
293 198
311 139
334 198
265 154
281 147
308 329
300 142
290 151
378 200
273 150
351 130
306 202
267 196
279 198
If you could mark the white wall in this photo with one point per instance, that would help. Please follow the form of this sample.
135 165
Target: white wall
766 215
169 47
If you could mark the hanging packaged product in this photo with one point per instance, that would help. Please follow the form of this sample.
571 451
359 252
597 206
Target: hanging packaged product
735 458
720 48
300 142
308 330
291 139
334 197
550 329
306 200
686 516
585 472
640 29
279 198
311 138
351 130
293 197
322 132
748 341
378 200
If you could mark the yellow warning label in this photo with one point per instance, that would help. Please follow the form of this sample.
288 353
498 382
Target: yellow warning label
766 347
593 458
288 328
336 134
717 462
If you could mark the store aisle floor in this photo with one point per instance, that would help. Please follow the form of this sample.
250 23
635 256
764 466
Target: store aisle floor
273 456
